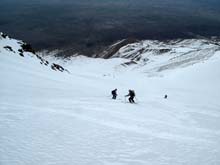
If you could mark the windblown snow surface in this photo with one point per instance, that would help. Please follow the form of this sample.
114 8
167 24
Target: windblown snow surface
59 118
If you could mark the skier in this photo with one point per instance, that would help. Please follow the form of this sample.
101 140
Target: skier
131 95
165 97
114 94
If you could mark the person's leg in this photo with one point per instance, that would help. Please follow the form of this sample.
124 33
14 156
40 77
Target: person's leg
114 97
130 99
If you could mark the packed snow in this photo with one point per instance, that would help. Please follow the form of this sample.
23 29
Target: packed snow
59 118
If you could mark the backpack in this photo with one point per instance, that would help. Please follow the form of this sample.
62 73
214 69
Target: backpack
132 93
114 92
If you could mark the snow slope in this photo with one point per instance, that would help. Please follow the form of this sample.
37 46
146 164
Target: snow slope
61 118
158 56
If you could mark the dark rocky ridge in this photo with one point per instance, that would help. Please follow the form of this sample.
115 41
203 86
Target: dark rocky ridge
111 50
27 48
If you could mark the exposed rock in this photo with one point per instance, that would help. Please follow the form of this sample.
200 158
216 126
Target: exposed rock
27 48
9 48
115 48
161 51
23 49
20 50
21 54
57 67
129 63
3 35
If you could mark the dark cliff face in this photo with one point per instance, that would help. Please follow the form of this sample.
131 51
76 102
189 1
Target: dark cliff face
89 26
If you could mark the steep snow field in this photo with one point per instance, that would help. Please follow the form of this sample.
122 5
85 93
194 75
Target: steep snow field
59 118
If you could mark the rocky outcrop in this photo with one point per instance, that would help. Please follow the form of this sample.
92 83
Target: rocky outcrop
23 49
9 48
27 48
177 52
109 52
3 35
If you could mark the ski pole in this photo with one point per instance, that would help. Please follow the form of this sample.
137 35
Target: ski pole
136 99
125 99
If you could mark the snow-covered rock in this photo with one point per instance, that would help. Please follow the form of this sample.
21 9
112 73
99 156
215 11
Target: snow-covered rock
13 47
159 56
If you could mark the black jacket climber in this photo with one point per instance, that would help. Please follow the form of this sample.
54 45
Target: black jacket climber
114 94
131 95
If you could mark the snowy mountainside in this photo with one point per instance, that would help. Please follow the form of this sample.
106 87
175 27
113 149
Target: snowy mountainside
12 47
158 56
49 117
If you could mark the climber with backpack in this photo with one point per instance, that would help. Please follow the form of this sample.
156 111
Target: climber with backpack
114 94
131 95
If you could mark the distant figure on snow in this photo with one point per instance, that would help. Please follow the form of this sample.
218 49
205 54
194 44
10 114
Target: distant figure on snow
114 94
131 95
165 97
